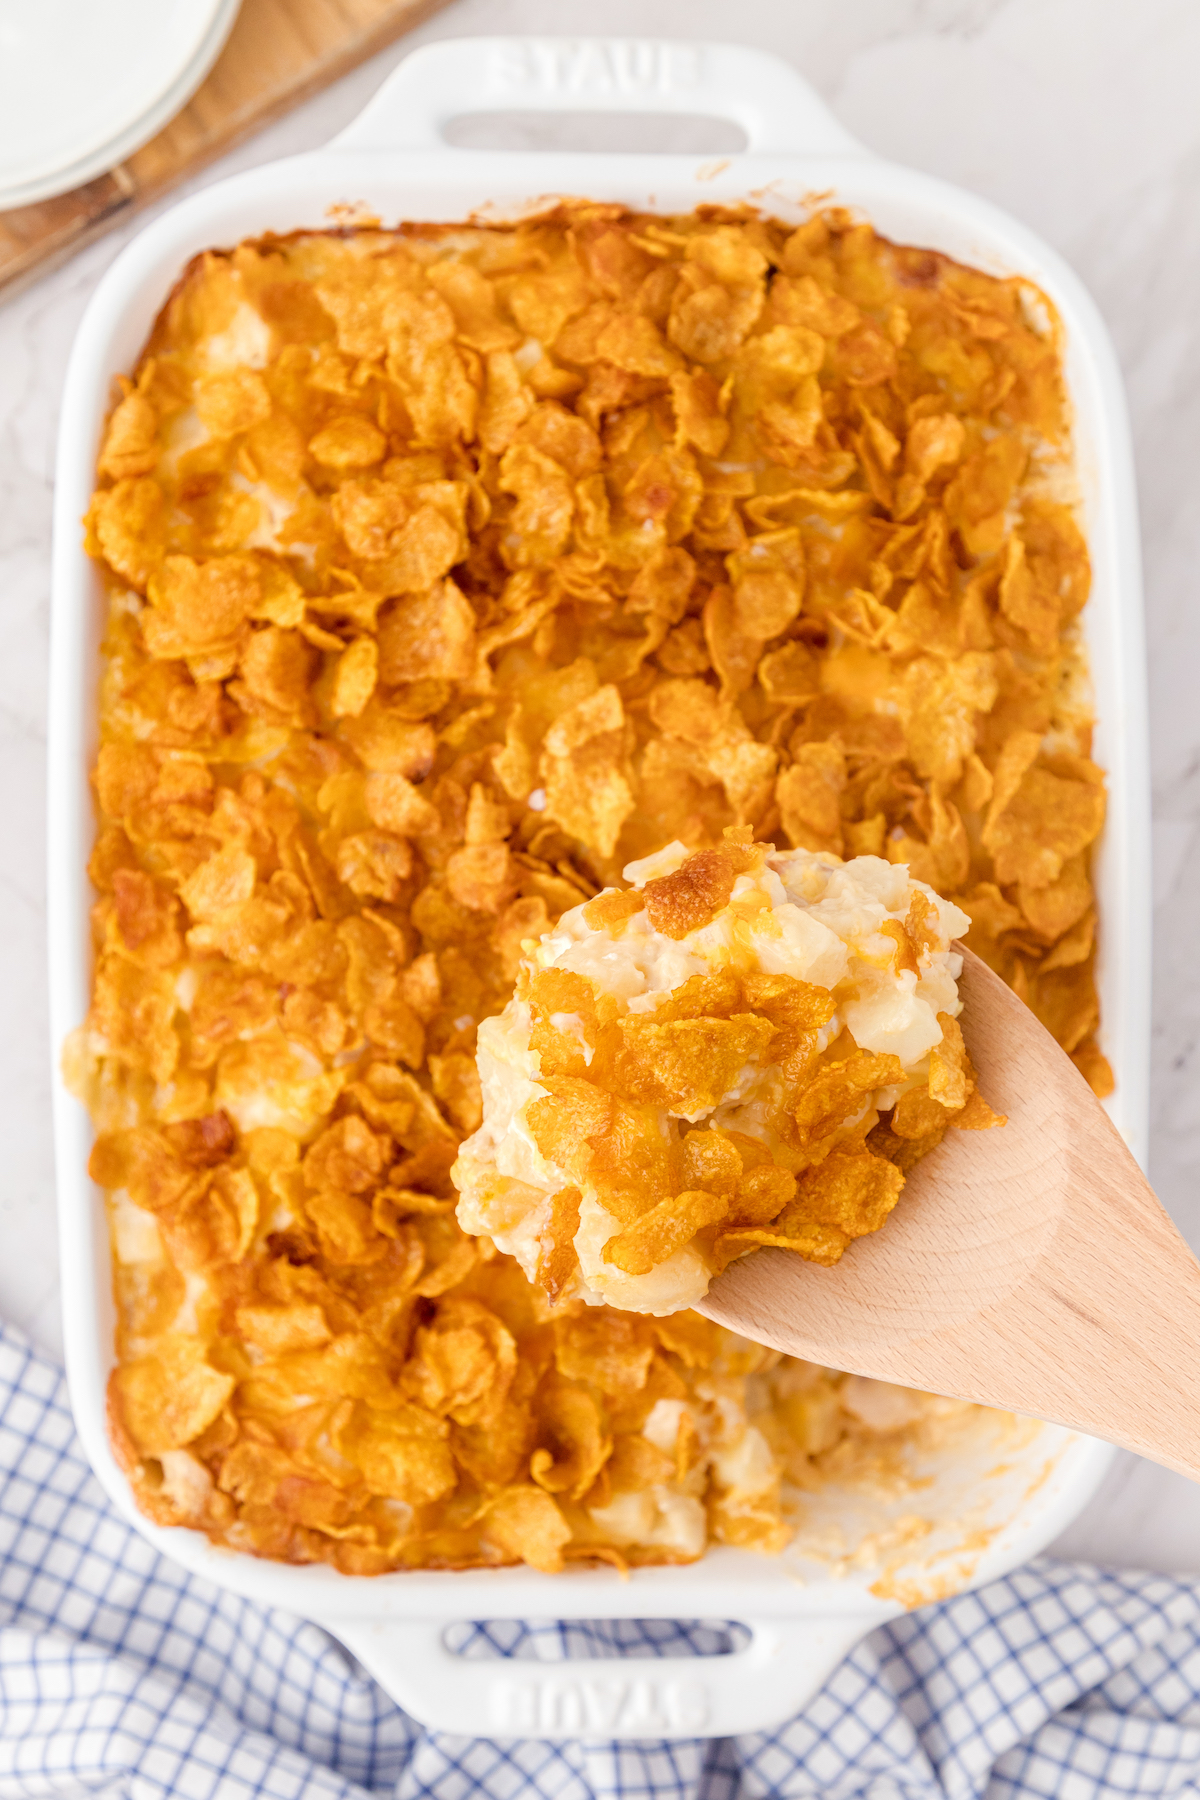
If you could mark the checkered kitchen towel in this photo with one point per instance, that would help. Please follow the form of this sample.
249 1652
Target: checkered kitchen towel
122 1675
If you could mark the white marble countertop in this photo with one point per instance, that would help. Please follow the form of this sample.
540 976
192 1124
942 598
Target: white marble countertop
1079 117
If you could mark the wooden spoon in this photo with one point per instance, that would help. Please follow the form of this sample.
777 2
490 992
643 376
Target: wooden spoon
1029 1267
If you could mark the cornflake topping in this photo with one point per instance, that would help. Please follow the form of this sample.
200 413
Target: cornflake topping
450 570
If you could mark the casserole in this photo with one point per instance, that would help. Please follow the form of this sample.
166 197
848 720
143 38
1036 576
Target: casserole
987 1510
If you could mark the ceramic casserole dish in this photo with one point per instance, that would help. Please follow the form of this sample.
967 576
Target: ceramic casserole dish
988 1510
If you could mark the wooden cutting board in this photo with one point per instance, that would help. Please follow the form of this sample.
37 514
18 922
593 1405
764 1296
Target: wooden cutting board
279 52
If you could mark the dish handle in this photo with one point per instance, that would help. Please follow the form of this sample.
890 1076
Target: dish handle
753 1689
775 107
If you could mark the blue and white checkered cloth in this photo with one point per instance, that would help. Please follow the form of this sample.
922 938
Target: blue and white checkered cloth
122 1675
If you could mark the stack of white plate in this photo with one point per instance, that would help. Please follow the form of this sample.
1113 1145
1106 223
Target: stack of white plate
84 83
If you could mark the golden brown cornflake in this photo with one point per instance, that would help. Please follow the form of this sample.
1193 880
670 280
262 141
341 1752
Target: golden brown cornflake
699 888
450 569
556 1263
848 1195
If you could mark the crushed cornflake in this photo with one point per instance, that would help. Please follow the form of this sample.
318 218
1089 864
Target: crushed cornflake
451 570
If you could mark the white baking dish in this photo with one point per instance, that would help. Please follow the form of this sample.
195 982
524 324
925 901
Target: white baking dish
395 162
